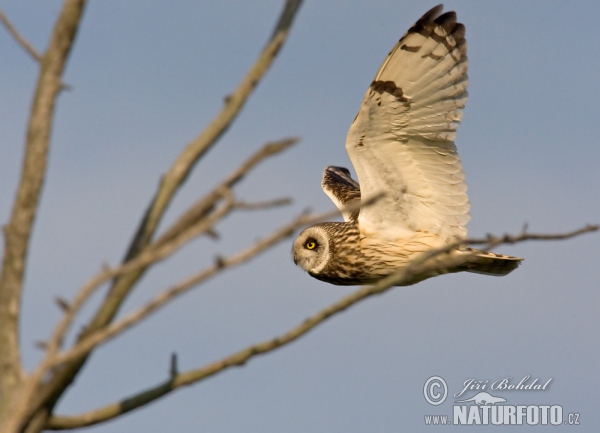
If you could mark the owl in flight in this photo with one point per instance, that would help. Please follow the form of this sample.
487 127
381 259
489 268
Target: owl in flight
401 145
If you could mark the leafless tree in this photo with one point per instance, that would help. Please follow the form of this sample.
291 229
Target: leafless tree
28 399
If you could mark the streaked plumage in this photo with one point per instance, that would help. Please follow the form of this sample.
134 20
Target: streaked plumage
401 145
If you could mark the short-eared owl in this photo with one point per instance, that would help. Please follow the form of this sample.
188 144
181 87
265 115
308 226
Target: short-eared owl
401 144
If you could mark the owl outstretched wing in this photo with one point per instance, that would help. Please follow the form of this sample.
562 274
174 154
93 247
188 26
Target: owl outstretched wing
343 191
401 142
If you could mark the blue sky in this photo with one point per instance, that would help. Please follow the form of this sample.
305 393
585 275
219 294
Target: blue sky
147 76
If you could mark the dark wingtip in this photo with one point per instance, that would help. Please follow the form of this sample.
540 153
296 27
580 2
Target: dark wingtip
447 21
459 34
432 13
334 169
427 19
333 175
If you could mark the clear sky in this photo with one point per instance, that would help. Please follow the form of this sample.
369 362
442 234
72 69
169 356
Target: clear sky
147 76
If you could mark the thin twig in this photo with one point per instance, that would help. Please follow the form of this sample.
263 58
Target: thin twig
60 422
525 236
284 201
20 40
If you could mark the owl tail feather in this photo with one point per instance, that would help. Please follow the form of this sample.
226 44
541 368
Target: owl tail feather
488 263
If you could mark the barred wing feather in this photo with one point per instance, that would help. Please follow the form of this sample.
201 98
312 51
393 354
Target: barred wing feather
401 142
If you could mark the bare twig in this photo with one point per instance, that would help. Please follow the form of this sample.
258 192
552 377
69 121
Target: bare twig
263 204
20 40
202 207
525 236
173 370
62 303
239 358
18 230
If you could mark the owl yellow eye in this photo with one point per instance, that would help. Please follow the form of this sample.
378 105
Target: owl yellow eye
310 245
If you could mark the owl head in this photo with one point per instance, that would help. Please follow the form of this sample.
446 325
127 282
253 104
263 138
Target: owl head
313 248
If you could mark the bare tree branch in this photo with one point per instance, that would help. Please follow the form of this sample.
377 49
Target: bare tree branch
20 40
194 222
34 380
18 230
184 163
524 236
149 256
222 263
202 207
53 388
82 347
177 380
153 253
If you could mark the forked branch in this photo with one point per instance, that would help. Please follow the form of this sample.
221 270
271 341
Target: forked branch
20 40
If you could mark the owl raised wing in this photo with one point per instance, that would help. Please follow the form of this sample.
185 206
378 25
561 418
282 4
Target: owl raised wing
401 142
412 193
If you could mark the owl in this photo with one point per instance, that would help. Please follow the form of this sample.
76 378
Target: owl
401 144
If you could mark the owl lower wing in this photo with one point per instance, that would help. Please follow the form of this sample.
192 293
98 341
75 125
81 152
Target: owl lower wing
343 191
401 143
